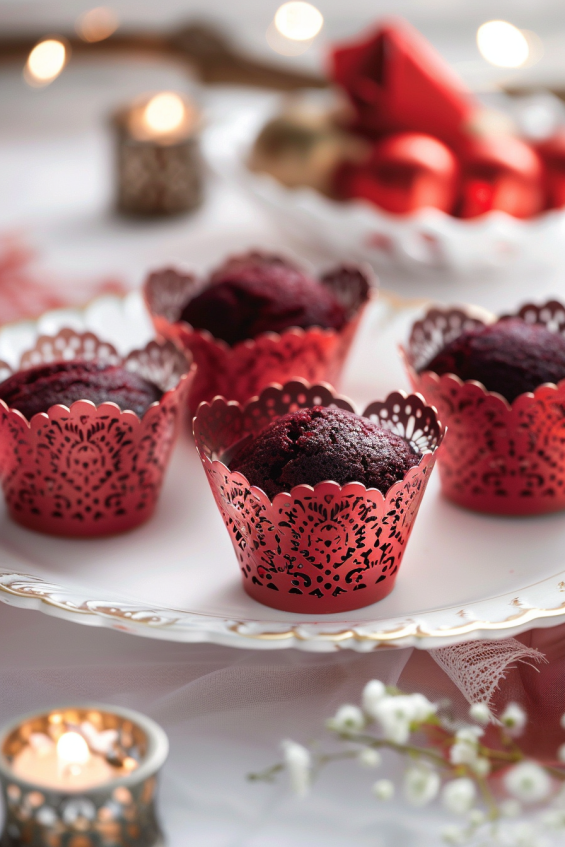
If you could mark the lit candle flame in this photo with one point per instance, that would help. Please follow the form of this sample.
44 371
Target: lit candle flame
164 113
97 24
298 21
503 44
45 62
72 749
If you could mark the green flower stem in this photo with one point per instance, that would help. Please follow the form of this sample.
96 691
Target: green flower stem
406 749
267 775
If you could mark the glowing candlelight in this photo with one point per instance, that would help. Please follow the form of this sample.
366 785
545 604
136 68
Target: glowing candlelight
503 44
66 758
165 118
97 24
299 21
164 114
72 750
45 62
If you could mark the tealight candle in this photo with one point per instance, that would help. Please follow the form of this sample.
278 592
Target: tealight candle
159 163
81 777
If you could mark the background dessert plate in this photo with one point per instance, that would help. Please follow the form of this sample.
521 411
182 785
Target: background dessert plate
464 575
427 239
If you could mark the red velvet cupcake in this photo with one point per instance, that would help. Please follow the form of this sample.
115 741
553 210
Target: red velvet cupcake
499 385
259 319
35 390
86 436
319 502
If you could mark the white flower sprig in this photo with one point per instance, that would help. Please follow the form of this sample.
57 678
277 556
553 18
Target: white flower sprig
485 785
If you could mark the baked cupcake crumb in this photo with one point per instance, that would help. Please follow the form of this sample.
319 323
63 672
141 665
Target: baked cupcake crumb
256 293
509 357
37 389
316 444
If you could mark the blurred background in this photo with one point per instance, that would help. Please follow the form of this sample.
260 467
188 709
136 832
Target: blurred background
56 148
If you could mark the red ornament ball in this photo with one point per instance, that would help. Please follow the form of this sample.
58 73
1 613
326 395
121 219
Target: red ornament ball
405 172
504 173
552 152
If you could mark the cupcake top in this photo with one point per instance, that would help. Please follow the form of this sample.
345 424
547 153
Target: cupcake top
255 293
509 357
37 389
317 444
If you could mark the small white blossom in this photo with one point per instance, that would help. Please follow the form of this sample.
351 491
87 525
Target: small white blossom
397 715
422 709
561 753
481 713
421 785
481 766
374 691
514 718
462 753
477 817
394 719
454 835
383 789
469 734
459 795
527 782
510 809
348 719
465 750
369 758
298 762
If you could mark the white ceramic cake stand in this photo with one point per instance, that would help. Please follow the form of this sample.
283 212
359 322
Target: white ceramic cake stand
464 575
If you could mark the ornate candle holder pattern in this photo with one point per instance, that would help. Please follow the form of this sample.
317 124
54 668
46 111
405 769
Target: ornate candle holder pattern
159 166
49 802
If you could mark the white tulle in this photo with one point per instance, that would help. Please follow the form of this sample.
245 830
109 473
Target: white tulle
226 712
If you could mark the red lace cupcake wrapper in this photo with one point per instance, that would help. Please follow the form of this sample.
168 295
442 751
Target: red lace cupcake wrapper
497 457
242 371
91 471
321 549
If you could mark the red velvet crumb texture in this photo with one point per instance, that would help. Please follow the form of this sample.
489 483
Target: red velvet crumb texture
37 389
255 293
509 357
317 444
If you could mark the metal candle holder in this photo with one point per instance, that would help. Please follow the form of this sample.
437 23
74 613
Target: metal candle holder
157 177
116 813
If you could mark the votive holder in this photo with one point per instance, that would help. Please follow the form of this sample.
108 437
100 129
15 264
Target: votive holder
118 811
159 166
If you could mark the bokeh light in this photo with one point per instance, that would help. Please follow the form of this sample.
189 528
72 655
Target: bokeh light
298 21
502 44
164 113
97 24
45 62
